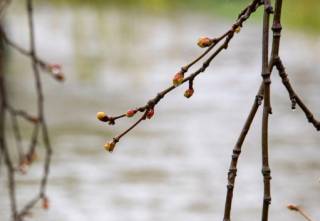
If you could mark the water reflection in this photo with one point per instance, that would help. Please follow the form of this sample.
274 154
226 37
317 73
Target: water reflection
173 167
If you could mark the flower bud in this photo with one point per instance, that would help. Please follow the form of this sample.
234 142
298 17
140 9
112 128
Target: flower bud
131 113
204 42
110 146
45 203
54 68
59 76
188 93
237 30
292 207
150 113
102 116
178 78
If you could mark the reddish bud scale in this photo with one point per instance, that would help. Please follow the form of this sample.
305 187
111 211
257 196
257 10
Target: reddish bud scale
45 203
204 42
178 78
150 113
188 93
131 113
54 68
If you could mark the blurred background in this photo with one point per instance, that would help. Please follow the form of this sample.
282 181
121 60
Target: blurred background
118 54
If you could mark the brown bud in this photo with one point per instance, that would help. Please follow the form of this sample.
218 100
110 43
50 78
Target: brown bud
188 93
110 146
237 30
178 78
59 76
293 207
204 42
102 116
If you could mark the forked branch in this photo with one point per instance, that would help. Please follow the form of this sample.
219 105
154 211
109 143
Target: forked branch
179 78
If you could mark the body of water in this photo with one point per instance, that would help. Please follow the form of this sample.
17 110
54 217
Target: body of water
173 167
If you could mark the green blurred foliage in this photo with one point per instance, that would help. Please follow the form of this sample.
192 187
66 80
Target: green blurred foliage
299 14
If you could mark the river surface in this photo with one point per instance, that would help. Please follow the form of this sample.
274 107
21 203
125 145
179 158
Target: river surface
173 167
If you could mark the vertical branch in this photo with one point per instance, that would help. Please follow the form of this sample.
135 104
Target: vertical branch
266 72
237 151
276 28
40 100
38 122
17 135
3 145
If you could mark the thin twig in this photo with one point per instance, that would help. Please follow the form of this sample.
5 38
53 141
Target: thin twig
299 210
266 72
295 99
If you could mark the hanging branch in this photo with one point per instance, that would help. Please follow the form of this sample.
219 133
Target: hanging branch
262 95
179 78
295 99
26 156
266 72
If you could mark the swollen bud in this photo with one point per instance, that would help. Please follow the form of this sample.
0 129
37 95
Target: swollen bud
59 76
45 203
204 42
178 78
56 70
188 93
110 146
131 113
150 113
102 116
292 207
237 30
